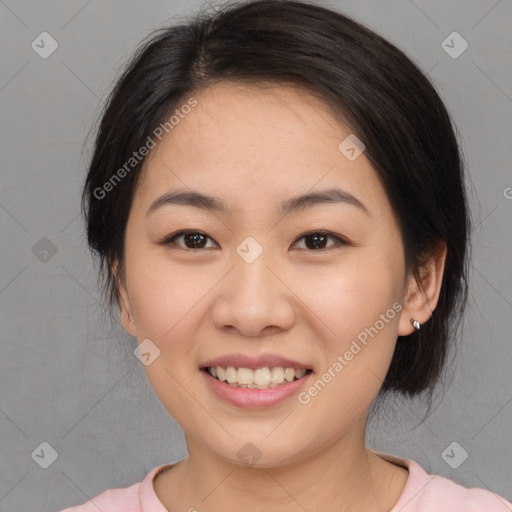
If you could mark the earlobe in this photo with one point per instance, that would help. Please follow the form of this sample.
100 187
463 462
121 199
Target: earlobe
124 303
126 318
422 293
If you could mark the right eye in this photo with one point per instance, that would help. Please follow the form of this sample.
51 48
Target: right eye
195 239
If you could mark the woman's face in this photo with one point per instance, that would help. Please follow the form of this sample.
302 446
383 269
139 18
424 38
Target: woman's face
255 286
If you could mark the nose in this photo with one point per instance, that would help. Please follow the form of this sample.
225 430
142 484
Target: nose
253 299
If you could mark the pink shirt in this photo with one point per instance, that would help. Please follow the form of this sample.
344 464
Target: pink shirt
422 493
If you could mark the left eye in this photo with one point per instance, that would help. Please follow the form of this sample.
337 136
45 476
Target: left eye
314 240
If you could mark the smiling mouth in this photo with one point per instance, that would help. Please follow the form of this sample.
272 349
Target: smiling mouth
260 378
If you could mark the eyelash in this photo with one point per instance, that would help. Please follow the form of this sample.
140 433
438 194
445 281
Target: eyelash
169 240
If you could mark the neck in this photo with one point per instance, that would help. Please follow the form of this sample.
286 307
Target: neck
345 477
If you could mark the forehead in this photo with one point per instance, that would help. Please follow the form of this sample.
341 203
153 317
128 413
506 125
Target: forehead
252 117
255 144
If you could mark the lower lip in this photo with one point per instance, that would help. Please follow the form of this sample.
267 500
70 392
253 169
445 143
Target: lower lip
248 398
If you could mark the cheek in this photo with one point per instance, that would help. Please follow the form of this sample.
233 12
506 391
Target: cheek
163 295
166 303
357 306
348 298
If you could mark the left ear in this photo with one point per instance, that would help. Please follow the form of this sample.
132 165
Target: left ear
422 295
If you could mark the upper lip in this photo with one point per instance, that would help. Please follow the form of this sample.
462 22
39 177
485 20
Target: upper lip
261 361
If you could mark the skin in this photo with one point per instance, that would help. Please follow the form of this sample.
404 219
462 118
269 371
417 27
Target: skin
254 148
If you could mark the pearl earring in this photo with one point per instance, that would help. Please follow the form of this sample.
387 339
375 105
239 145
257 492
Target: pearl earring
415 324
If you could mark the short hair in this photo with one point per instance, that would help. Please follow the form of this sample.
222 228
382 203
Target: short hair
376 90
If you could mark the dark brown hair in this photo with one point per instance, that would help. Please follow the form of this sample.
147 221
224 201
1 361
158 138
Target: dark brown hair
376 89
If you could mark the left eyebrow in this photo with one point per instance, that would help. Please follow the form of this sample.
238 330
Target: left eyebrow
294 204
332 195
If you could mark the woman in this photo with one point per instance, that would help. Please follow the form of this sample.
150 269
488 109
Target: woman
276 199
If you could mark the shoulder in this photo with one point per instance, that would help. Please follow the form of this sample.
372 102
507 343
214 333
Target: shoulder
112 500
444 494
434 493
139 497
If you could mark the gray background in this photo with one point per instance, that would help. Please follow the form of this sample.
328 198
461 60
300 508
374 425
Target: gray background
69 379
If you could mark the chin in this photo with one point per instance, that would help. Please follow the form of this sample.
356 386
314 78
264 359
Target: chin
259 452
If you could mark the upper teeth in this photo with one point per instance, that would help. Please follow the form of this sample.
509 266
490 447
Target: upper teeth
261 377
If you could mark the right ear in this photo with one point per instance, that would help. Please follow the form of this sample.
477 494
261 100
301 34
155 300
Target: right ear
124 301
